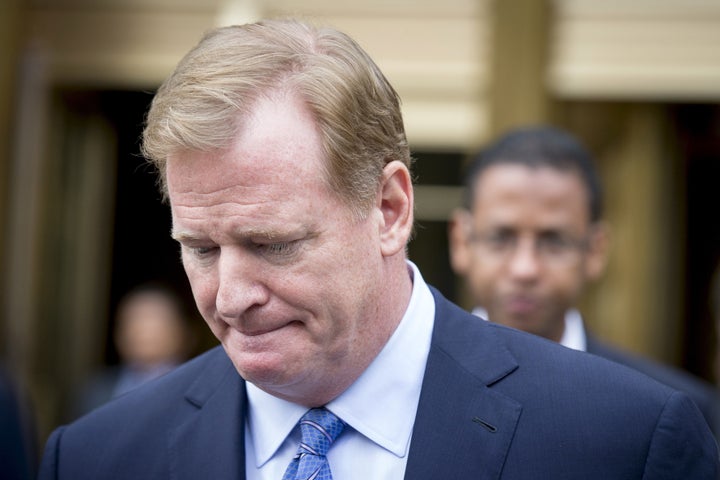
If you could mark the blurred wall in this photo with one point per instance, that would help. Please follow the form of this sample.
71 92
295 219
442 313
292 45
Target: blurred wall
10 20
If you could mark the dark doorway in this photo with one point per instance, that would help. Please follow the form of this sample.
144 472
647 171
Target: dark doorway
143 251
698 129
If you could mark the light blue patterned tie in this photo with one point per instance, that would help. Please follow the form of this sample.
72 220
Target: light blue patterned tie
319 428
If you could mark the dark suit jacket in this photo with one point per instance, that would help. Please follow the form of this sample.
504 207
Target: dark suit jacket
18 449
495 403
705 396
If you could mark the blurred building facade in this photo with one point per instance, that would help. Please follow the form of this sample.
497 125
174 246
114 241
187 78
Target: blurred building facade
637 80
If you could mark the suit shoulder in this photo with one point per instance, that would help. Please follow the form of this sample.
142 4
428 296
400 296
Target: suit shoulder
539 364
667 374
704 394
159 397
131 433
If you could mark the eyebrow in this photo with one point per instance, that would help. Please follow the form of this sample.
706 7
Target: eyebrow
264 233
181 236
187 236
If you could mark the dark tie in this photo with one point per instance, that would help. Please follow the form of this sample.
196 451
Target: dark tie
319 428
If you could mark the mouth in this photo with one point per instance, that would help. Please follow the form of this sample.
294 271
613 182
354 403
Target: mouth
264 330
521 306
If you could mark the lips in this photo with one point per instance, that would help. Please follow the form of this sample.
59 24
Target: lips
521 306
264 329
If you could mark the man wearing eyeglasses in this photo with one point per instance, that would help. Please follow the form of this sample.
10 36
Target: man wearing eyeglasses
530 237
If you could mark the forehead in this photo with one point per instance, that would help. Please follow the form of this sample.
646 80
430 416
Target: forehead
505 190
277 148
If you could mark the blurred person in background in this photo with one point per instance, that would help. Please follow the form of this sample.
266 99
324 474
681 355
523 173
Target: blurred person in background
18 440
530 237
151 335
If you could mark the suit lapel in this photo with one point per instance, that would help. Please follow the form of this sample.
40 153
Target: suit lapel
463 428
211 443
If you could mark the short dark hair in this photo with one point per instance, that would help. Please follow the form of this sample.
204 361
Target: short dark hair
538 146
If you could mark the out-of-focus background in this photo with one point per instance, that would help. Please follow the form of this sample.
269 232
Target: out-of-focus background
82 222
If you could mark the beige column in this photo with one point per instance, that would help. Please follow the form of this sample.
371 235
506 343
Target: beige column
519 62
638 304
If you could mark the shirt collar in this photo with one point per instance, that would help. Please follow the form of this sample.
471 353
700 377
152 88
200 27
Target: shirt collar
573 334
365 406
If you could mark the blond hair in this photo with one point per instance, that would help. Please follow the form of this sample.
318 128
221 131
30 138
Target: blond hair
200 107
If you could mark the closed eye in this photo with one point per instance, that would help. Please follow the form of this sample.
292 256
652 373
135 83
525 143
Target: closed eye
201 252
280 249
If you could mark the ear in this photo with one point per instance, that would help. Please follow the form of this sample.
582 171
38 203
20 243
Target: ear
457 240
396 205
598 250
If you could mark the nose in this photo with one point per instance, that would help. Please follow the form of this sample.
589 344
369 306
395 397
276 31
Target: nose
240 283
524 262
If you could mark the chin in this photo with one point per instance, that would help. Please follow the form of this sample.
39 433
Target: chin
260 368
522 323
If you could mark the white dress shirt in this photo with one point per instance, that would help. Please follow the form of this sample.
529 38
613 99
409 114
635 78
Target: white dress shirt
379 408
573 334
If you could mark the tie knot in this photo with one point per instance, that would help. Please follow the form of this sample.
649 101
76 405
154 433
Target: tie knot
319 429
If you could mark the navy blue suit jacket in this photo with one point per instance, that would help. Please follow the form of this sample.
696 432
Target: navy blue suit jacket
496 403
705 396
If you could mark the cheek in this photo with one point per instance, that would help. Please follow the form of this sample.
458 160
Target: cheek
484 275
569 283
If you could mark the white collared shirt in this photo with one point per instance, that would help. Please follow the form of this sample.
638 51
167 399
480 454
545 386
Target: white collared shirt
573 334
379 408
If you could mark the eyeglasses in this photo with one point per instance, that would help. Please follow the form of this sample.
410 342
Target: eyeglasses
549 247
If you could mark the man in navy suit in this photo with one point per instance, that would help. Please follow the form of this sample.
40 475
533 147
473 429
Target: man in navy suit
282 151
530 237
